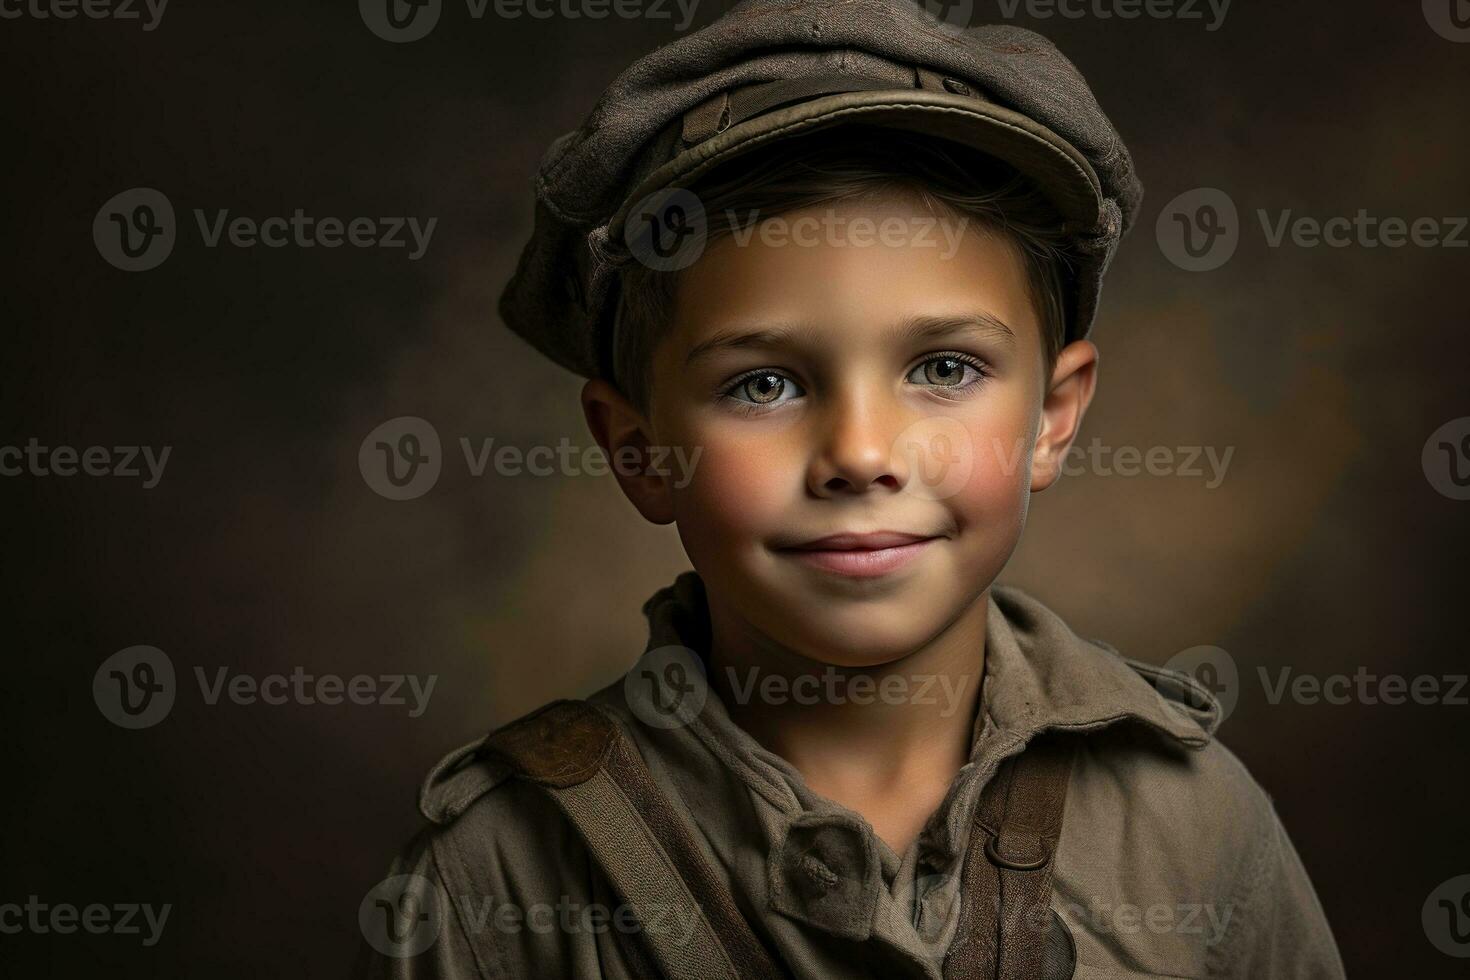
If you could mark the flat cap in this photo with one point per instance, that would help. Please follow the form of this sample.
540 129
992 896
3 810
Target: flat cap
767 69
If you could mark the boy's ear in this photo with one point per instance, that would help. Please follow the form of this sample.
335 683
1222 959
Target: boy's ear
623 433
1067 397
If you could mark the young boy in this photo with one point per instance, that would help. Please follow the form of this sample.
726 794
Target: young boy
844 258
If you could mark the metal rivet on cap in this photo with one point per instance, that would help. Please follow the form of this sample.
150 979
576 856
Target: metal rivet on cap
958 87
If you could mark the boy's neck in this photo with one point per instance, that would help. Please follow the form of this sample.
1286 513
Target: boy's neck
885 741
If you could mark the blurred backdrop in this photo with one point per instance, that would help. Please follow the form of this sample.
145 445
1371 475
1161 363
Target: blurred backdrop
1332 543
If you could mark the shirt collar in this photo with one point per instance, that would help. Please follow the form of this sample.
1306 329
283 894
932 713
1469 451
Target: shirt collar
1039 674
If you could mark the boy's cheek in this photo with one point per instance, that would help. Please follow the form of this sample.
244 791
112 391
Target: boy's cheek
980 467
738 489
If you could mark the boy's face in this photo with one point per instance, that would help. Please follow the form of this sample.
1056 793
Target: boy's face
833 388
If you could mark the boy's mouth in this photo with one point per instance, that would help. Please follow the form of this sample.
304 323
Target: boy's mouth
860 555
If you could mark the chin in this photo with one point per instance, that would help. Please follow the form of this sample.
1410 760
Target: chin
857 634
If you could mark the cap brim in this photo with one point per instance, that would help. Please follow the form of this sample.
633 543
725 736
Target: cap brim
1059 171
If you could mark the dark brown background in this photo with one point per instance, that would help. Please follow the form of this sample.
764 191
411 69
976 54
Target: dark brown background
1325 549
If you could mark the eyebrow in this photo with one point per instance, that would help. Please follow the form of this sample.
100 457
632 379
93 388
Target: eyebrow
922 327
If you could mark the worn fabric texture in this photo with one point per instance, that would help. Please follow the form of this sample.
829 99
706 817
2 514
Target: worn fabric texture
562 296
1172 861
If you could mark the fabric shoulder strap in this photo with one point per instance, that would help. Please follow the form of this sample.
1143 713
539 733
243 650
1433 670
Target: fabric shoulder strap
1006 929
688 920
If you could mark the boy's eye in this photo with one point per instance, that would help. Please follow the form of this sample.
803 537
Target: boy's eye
763 388
944 371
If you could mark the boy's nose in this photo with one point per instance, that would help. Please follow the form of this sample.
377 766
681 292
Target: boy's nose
855 447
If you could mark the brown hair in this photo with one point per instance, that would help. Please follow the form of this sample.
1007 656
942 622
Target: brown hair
843 164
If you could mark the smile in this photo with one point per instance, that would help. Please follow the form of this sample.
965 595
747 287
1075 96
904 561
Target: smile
860 555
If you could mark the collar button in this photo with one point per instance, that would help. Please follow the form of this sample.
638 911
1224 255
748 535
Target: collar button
824 871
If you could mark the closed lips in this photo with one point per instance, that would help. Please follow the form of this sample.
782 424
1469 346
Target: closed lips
873 541
860 555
